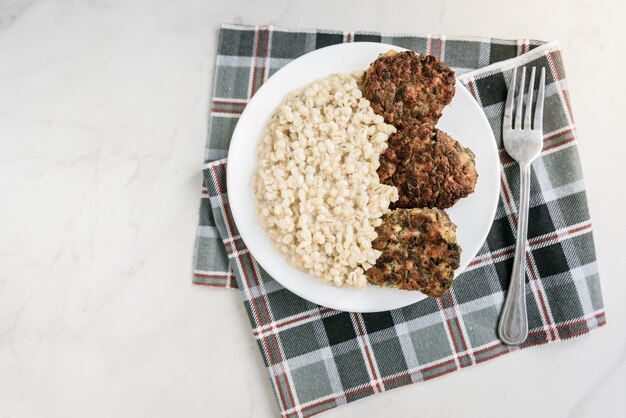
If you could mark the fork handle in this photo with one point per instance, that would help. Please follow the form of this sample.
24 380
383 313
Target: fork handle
513 327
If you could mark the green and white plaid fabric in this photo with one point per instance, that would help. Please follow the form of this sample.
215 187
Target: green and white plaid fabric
319 358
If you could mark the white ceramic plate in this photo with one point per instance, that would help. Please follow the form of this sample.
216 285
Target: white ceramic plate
463 119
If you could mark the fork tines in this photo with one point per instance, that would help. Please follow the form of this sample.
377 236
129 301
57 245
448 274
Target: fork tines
509 123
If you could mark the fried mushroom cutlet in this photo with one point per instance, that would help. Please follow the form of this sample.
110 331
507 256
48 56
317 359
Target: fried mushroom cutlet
419 251
429 168
405 87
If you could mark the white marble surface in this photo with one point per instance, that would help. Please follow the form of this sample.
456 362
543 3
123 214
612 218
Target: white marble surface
103 108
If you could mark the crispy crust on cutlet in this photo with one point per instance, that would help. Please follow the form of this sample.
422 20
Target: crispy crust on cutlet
429 168
419 251
405 87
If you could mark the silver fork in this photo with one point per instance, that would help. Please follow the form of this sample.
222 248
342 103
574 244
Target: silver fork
523 142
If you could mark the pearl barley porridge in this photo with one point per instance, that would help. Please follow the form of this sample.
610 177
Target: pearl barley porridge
318 194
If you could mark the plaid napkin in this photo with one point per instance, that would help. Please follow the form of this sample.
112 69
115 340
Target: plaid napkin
318 358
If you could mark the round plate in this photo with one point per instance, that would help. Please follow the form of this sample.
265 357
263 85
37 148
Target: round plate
463 119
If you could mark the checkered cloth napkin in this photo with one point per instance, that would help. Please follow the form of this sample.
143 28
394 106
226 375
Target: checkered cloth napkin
319 358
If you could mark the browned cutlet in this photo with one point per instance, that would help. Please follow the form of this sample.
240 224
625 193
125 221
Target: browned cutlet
429 168
419 251
405 87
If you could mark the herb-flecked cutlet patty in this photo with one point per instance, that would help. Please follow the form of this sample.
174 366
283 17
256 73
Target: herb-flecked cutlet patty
405 87
429 168
419 251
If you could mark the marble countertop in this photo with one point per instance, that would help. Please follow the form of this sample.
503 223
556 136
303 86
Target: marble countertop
103 112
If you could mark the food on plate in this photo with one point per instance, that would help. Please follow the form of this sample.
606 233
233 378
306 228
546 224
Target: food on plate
405 87
429 168
352 176
317 190
419 251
